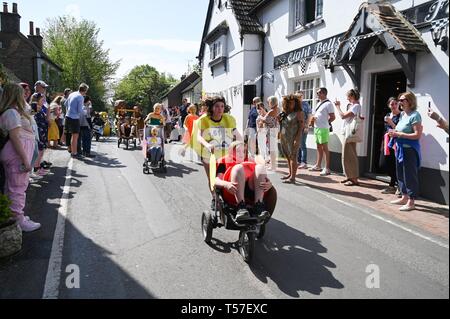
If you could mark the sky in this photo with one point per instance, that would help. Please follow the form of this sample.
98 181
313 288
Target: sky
165 34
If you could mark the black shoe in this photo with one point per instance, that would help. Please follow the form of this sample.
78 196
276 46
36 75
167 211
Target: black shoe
261 211
89 155
242 213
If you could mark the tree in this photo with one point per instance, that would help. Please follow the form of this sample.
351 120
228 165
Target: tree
144 86
76 48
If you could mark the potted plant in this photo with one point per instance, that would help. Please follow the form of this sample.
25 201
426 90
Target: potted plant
10 232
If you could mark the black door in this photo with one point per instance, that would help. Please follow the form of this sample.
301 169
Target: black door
386 85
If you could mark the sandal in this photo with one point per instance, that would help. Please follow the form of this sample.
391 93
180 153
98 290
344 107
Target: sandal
345 181
351 183
284 178
290 181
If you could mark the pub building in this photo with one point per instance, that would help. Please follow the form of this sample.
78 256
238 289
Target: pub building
383 48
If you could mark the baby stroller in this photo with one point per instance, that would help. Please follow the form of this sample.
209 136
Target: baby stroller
224 216
154 150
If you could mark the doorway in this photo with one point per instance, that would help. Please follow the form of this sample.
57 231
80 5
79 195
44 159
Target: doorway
386 85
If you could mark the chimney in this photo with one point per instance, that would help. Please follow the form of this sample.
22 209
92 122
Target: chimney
10 21
31 28
36 39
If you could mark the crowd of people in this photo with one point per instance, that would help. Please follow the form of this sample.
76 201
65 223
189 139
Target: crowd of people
271 129
29 126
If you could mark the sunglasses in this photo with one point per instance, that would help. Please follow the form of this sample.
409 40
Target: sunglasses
403 100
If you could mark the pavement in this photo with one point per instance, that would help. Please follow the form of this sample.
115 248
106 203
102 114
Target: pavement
123 234
429 216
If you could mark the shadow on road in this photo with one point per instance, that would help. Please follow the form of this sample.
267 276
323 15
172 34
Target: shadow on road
23 275
292 260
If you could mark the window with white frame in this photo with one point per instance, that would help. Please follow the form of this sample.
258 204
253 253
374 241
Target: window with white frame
305 12
309 88
216 50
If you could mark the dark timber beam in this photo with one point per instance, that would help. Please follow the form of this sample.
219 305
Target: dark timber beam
355 75
408 63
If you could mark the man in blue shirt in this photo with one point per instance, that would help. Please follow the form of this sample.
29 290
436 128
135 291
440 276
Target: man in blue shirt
251 127
74 106
303 153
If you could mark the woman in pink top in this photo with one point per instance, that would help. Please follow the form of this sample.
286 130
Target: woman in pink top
17 153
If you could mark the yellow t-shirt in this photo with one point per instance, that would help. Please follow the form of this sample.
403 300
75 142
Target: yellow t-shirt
220 134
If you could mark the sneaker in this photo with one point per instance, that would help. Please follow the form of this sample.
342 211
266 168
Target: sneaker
407 208
389 191
315 169
400 202
261 211
242 213
325 172
303 166
28 226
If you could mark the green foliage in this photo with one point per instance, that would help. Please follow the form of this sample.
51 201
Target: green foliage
5 210
144 86
74 45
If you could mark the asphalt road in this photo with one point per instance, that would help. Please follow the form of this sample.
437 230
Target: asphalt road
138 236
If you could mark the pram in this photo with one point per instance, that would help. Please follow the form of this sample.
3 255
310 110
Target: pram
158 163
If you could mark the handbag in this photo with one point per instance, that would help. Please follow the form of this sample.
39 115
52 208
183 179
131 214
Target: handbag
353 132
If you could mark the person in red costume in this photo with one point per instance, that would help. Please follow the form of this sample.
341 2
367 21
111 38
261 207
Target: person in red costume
245 183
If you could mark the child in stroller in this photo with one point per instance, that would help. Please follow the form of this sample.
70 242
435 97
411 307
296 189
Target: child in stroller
154 149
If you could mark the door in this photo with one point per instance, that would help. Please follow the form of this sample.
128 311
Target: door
386 85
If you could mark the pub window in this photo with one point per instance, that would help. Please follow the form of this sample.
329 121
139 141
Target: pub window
309 88
306 11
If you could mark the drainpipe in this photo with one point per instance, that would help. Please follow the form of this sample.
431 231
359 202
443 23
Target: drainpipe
262 65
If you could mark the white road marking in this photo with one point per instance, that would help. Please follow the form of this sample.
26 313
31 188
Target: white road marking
52 281
409 230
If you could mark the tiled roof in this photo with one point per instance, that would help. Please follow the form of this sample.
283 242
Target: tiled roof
407 37
247 22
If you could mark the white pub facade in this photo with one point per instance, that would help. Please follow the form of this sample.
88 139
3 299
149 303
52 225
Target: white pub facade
383 48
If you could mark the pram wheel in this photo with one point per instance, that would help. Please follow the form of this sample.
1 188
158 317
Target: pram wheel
207 227
127 143
146 171
135 143
246 245
119 142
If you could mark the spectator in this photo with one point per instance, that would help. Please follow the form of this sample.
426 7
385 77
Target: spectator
184 111
86 129
166 113
387 157
406 137
251 131
322 117
37 104
262 132
53 130
292 127
75 105
65 137
27 95
303 153
442 123
17 154
41 87
273 129
349 153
